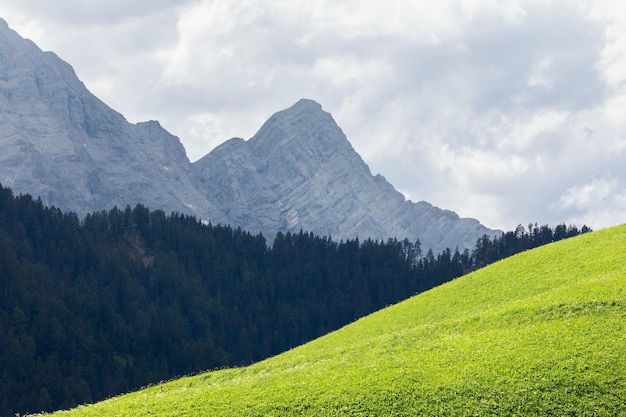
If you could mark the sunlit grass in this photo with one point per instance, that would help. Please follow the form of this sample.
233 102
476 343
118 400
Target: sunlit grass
542 333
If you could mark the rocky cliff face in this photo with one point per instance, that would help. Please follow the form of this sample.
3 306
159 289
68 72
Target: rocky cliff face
61 143
300 172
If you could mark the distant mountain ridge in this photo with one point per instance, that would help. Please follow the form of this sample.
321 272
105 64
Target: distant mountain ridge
299 171
61 143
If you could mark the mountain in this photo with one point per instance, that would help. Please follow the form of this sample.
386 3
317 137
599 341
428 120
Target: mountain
61 143
299 171
538 334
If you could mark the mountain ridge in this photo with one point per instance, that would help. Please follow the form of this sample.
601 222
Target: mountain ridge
63 144
299 171
318 164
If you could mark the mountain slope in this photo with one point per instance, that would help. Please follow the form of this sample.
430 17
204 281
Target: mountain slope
61 143
299 171
540 333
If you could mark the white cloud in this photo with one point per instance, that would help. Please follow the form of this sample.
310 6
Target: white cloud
613 59
83 13
507 111
591 193
601 202
539 76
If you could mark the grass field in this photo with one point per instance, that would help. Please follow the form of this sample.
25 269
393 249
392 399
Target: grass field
540 334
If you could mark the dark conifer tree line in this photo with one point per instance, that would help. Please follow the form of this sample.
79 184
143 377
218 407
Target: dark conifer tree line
491 250
124 298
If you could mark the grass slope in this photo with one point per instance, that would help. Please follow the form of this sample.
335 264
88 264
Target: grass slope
541 333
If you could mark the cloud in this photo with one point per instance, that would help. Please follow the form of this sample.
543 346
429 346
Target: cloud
507 111
600 201
87 13
591 193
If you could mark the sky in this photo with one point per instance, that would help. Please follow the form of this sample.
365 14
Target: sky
510 112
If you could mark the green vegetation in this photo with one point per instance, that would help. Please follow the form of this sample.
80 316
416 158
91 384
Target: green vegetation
541 333
122 299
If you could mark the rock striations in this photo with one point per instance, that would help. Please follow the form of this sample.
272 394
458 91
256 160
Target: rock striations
300 172
61 143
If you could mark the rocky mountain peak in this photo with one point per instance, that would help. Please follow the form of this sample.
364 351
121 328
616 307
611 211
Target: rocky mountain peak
299 171
61 143
305 127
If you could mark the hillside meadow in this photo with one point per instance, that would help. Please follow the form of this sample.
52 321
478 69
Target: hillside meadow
540 333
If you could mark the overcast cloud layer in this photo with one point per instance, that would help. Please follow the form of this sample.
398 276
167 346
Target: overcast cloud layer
508 112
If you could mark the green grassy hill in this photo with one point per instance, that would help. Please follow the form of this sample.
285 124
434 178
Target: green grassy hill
541 333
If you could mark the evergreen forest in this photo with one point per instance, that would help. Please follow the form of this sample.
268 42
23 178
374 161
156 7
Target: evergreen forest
94 307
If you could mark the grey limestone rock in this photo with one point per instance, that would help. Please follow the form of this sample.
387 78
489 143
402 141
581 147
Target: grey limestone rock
61 143
299 172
